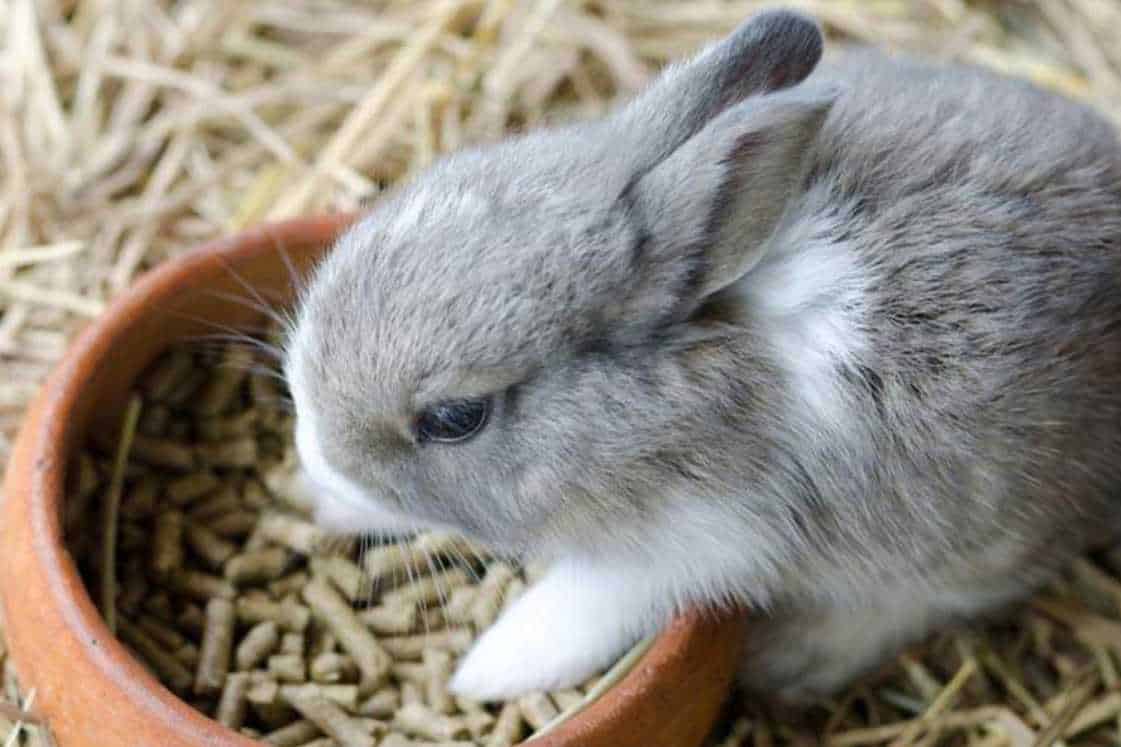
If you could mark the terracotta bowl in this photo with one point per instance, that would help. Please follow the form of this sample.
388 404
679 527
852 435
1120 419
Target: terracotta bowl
88 687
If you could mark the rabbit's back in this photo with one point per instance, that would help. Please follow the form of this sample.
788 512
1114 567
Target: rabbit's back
987 215
966 231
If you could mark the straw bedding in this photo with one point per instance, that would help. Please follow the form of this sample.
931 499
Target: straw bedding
131 130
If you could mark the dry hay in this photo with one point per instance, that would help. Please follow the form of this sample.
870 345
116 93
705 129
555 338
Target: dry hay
131 130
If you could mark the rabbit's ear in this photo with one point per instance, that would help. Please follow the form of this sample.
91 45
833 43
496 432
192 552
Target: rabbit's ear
711 205
772 50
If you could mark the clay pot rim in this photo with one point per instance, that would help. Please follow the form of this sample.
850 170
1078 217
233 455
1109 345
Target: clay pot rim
51 438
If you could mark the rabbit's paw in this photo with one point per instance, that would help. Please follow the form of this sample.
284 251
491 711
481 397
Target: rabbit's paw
564 629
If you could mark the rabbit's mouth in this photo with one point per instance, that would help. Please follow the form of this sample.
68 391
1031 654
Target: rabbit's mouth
338 513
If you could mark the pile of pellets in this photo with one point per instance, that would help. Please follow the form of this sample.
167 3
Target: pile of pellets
205 564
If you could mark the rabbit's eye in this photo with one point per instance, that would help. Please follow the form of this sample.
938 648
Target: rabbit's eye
448 422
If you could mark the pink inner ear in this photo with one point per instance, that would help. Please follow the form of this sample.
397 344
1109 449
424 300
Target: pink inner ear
799 44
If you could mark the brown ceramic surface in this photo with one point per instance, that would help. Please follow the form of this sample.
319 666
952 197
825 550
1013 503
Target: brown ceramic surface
91 691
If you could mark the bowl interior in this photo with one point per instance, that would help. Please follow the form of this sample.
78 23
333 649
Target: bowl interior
56 633
221 291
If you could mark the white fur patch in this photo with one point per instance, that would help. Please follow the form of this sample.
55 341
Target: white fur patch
810 291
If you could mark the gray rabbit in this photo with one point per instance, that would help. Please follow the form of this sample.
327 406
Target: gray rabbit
840 345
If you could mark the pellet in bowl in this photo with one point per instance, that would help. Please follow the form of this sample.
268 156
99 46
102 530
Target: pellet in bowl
212 573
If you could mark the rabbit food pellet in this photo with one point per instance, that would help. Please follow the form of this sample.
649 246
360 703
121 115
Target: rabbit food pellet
241 605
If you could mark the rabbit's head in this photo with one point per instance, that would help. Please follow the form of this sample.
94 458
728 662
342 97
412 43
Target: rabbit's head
524 342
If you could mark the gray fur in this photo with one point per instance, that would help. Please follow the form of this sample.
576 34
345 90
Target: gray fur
648 295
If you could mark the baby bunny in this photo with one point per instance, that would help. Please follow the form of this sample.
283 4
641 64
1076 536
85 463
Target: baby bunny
841 345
